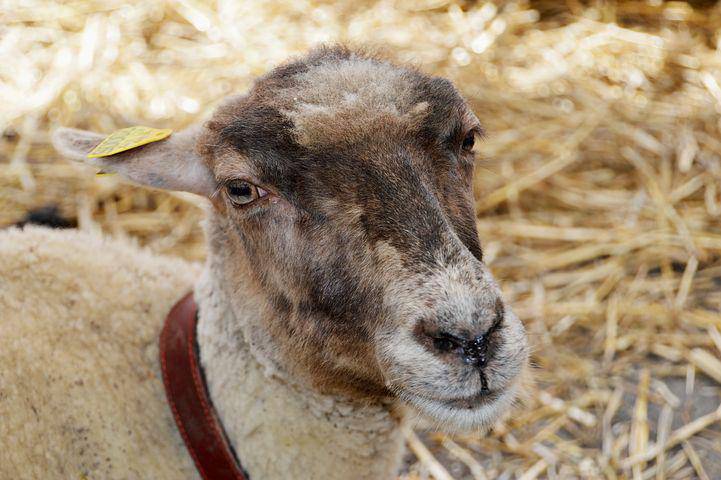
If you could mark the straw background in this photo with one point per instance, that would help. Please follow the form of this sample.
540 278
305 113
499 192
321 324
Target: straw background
598 187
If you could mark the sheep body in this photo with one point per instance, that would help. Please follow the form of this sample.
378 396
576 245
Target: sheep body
81 394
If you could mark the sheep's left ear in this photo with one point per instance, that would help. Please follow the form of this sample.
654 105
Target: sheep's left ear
170 164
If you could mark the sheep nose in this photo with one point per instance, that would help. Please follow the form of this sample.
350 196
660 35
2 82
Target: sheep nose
474 351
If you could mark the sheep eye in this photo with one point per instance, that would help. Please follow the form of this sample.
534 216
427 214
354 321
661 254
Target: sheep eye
468 141
241 192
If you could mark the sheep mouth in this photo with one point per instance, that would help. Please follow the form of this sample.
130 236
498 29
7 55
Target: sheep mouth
474 412
468 402
483 397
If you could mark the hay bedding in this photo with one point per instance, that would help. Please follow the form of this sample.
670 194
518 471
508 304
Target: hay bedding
598 187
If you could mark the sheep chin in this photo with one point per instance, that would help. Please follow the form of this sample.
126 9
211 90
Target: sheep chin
447 417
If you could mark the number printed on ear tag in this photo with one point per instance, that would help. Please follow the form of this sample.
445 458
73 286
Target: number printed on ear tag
127 139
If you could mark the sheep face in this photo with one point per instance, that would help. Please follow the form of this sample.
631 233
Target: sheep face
343 226
344 198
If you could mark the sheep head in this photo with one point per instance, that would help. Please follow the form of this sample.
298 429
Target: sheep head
342 207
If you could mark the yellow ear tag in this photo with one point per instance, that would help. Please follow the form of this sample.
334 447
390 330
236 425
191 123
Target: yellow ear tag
127 139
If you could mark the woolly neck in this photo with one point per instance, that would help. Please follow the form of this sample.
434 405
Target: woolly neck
278 428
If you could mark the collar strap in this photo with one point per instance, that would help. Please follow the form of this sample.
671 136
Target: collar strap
188 396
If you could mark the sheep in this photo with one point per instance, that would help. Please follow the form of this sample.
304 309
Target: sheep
343 295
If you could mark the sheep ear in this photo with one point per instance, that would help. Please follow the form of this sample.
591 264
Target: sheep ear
170 164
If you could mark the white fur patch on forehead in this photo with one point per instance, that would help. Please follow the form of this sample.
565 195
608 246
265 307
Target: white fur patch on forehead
345 98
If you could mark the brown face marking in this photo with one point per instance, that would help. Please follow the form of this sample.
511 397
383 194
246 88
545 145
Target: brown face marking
373 208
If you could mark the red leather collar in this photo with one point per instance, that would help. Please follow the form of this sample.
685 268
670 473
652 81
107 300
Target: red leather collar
188 396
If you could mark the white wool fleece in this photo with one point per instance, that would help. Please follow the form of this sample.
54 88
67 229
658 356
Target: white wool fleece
81 394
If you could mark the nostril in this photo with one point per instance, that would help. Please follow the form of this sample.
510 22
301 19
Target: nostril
479 350
476 347
476 351
444 344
